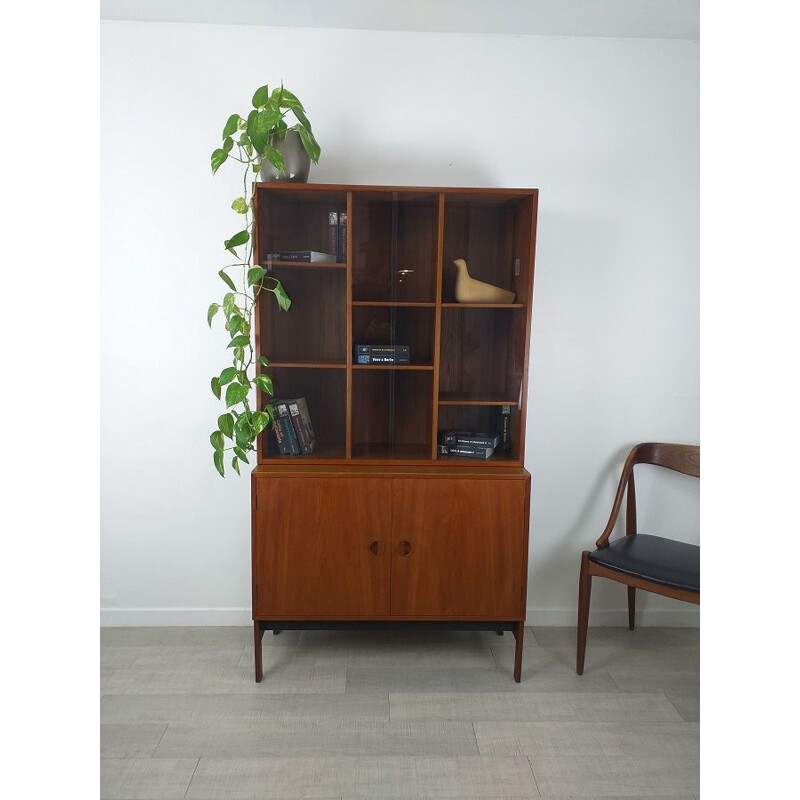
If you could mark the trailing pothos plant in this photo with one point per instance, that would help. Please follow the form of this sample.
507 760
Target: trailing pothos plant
249 141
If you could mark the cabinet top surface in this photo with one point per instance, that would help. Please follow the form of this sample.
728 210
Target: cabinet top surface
328 471
287 186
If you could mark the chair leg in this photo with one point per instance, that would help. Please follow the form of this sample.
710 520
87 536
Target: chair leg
584 597
631 606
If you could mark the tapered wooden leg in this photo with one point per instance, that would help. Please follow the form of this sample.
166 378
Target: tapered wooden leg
519 634
257 634
584 596
631 606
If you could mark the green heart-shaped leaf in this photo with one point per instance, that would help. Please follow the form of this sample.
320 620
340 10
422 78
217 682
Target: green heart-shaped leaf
236 240
298 112
231 125
276 159
227 278
218 462
218 158
227 375
239 341
260 421
228 303
288 100
215 387
236 324
239 205
283 299
255 274
212 310
264 382
234 394
225 423
217 440
261 96
309 142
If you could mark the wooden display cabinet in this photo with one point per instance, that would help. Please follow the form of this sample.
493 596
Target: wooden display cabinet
375 527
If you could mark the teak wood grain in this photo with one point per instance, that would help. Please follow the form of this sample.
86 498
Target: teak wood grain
320 547
457 548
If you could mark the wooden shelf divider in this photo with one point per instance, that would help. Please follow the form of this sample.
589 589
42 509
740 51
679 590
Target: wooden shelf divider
437 329
348 313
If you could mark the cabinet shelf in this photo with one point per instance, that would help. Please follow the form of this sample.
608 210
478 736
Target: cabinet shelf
495 460
467 399
309 364
388 452
320 455
483 305
305 264
394 366
382 304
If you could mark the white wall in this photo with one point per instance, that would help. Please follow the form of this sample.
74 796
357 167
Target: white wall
608 131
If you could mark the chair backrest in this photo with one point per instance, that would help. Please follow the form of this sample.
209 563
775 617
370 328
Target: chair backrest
684 458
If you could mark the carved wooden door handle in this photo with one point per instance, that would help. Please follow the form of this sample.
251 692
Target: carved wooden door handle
404 548
377 548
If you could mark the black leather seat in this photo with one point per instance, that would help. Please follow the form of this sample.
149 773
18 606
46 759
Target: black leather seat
664 561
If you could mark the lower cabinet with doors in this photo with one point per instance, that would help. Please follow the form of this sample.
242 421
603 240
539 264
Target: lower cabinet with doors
390 546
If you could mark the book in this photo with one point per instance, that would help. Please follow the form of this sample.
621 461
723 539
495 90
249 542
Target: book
308 256
283 429
333 233
504 428
382 354
301 420
470 438
465 451
342 249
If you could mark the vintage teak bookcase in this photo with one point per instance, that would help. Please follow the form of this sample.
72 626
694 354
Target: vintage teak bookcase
375 528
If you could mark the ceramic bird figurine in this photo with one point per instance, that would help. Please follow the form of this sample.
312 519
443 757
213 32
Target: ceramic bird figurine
469 290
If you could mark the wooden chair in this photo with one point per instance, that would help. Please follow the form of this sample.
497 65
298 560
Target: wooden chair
638 560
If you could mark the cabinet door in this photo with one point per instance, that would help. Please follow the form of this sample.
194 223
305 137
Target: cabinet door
457 548
320 547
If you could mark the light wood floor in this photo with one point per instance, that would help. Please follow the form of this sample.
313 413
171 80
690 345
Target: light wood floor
398 714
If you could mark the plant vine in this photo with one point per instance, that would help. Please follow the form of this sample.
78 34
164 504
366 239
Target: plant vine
249 141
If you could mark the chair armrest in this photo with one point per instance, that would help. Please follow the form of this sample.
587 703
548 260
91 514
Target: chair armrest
623 484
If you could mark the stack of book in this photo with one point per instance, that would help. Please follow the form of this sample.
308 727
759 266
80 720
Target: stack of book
382 354
468 444
292 427
307 256
337 234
